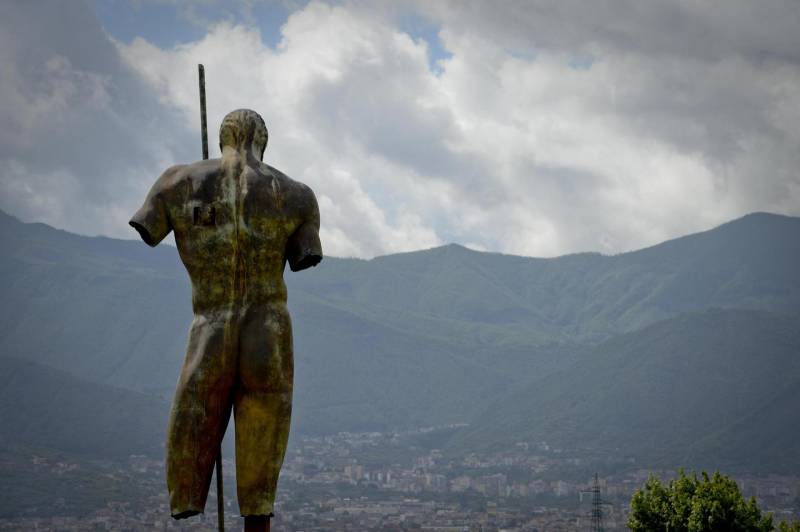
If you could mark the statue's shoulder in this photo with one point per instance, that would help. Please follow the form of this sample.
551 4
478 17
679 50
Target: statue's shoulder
205 169
192 173
287 184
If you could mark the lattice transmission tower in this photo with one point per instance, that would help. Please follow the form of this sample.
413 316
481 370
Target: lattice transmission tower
597 507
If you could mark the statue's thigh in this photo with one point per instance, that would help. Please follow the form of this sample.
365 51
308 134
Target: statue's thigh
209 359
266 361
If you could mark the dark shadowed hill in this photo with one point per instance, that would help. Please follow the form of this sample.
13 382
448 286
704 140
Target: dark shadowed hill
45 407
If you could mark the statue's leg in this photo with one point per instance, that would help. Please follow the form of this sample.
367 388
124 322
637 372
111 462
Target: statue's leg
200 412
257 523
262 406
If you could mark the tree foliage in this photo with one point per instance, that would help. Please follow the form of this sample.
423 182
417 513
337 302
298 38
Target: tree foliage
692 504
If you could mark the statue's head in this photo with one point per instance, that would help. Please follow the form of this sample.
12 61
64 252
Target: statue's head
244 129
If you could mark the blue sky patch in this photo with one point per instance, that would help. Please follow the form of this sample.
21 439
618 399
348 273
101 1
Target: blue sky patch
421 28
168 25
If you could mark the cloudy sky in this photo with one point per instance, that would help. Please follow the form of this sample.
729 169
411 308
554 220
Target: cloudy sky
533 128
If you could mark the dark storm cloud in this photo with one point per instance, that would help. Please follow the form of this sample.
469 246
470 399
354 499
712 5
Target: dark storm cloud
701 68
78 123
758 31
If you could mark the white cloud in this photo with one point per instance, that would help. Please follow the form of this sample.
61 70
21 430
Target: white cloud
318 92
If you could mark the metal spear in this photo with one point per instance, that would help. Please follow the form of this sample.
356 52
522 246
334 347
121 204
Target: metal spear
204 134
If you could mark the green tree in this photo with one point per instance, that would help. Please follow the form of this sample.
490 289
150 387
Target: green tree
692 504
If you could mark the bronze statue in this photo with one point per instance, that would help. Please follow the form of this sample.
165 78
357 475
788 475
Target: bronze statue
237 222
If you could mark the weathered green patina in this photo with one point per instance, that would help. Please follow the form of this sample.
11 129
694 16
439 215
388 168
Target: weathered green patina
237 222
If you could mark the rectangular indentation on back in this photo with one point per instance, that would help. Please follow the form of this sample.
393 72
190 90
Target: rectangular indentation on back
204 215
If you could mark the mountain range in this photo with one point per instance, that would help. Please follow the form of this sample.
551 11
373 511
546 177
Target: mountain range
687 352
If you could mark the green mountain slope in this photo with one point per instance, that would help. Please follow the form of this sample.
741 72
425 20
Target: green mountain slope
118 311
715 388
104 310
748 263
